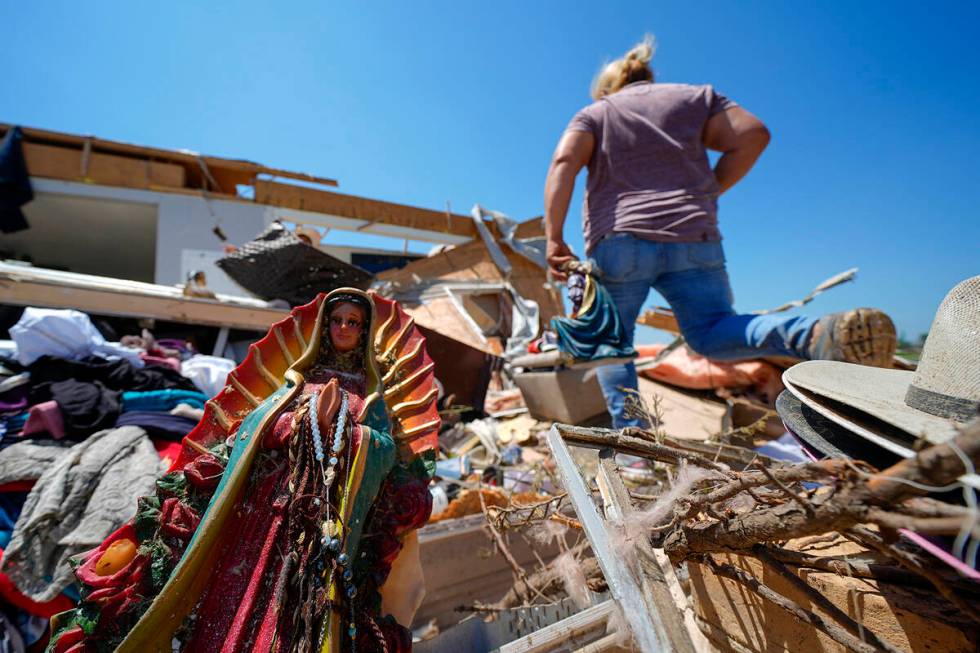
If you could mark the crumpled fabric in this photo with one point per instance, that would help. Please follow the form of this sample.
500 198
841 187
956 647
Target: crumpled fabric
685 368
161 400
76 503
64 334
159 425
209 373
85 407
598 333
27 460
45 418
115 375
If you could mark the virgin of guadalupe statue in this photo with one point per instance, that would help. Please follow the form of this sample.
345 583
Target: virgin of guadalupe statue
288 523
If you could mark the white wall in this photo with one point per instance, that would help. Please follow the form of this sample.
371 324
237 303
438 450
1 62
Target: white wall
182 222
187 223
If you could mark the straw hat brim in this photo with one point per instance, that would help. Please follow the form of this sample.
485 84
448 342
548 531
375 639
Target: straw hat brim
878 393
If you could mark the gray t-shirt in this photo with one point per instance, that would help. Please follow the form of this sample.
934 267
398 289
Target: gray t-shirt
649 174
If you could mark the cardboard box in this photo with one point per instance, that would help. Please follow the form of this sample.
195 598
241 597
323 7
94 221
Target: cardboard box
569 396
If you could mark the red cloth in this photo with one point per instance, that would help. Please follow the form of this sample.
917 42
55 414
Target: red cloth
15 597
18 486
686 369
45 417
167 361
168 450
239 602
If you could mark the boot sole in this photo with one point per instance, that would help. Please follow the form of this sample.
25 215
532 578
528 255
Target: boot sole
866 336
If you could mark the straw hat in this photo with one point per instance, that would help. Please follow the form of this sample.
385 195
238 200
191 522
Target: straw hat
894 407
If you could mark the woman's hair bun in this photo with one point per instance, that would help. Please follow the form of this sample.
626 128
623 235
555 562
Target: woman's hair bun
633 67
643 51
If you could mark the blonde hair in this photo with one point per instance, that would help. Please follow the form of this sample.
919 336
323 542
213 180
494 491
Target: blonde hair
633 67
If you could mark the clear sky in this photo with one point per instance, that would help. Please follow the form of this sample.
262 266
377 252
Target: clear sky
873 107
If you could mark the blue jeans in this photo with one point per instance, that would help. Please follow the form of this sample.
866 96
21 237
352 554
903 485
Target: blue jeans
693 280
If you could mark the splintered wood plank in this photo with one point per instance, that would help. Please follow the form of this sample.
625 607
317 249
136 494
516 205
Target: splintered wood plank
471 261
660 318
647 625
28 286
655 572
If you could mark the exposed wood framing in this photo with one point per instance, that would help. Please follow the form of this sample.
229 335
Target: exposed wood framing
361 208
227 172
98 168
471 262
73 157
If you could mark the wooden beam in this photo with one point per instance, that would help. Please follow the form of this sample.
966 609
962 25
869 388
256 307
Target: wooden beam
531 228
647 626
27 286
227 171
99 168
361 208
300 176
660 318
681 633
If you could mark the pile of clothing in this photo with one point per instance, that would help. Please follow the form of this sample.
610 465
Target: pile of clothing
86 427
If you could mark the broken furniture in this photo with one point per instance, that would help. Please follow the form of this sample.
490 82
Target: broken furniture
775 530
901 614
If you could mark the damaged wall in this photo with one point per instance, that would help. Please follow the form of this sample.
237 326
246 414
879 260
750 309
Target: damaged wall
467 263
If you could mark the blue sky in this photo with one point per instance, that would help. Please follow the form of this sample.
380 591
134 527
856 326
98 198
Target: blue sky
873 109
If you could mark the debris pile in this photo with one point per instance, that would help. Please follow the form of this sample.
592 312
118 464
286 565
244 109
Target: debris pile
767 505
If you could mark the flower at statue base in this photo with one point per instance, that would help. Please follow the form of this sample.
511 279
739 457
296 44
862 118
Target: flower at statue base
204 472
177 519
112 575
71 641
411 505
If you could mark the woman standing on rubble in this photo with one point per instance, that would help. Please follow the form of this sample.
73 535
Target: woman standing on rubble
650 221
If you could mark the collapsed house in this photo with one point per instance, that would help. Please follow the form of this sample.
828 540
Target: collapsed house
543 537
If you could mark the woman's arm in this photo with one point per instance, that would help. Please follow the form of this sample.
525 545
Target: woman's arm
741 137
572 154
